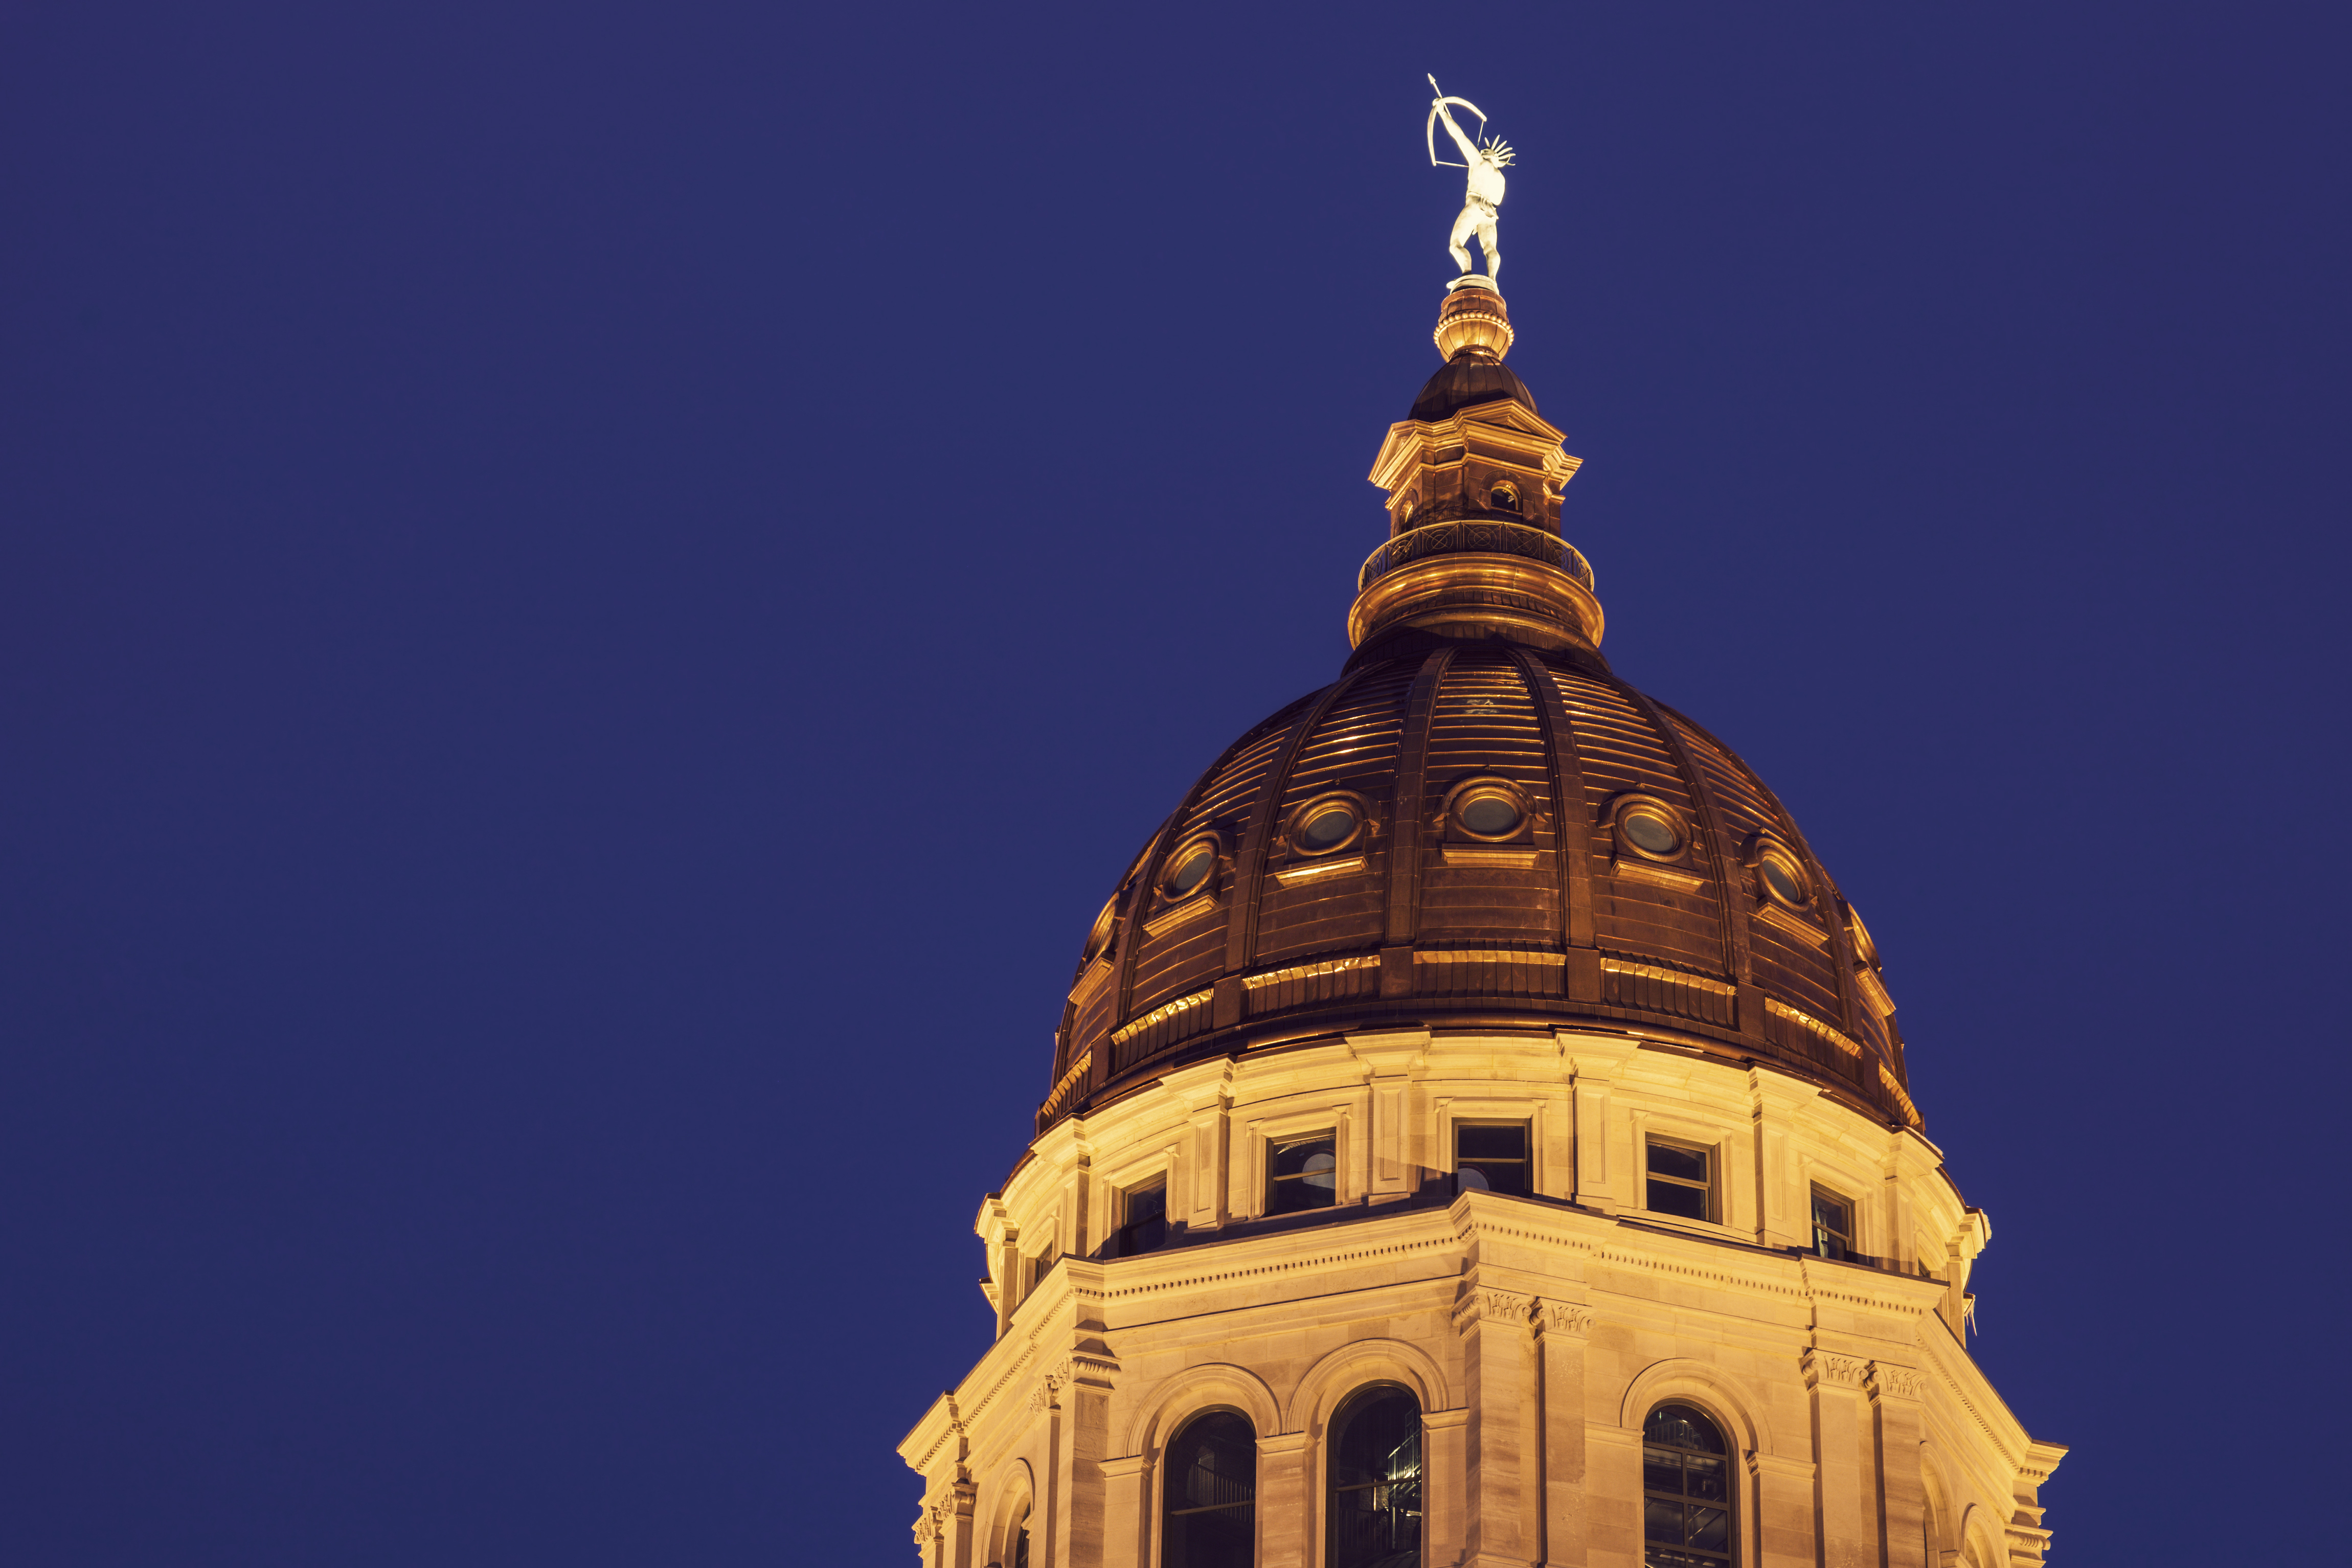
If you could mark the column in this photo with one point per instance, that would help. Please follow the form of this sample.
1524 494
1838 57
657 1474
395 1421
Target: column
1563 1328
1497 1353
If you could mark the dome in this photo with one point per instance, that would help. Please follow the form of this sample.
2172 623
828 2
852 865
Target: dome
1467 380
1479 826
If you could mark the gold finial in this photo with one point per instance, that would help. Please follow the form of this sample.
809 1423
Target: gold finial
1473 321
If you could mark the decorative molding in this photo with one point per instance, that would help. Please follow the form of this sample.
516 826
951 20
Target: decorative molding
1894 1381
1164 1011
1486 955
1097 975
1781 1009
1512 860
1790 925
1060 1096
1873 989
1627 869
1910 1111
1307 971
1673 977
1836 1371
1572 1320
1290 876
1183 914
1485 1305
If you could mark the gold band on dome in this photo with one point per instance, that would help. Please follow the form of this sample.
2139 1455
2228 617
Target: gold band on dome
1070 1080
1781 1009
1163 1011
1308 971
1910 1111
1672 976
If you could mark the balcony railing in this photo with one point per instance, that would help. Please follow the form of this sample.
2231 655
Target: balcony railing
1475 536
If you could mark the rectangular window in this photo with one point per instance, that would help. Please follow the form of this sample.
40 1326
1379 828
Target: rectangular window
1302 1173
1833 1225
1680 1182
1493 1155
1040 1266
1143 1217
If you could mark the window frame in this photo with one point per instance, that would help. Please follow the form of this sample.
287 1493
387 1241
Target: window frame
1274 1144
1728 1457
1164 1512
1123 1232
1458 1123
1710 1190
1343 1414
1849 1239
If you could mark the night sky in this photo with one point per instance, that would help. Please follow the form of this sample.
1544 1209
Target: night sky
595 596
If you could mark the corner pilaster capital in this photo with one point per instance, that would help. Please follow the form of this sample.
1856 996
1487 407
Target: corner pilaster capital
1890 1382
1486 1304
1281 1445
1827 1369
1120 1469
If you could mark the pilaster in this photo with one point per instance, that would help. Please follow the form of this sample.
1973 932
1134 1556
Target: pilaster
1833 1386
1895 1458
1127 1521
1593 1063
1563 1329
1498 1346
1284 1518
1389 1060
1443 1484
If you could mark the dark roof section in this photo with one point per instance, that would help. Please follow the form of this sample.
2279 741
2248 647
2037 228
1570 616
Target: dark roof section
1466 381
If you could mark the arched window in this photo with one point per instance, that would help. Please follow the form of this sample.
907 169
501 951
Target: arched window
1375 1481
1208 1506
1017 1555
1686 1492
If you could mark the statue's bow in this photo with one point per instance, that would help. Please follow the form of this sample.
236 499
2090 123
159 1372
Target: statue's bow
1430 131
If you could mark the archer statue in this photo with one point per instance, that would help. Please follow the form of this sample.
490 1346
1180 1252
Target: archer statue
1485 161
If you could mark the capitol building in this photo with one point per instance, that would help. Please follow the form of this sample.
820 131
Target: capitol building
1478 1130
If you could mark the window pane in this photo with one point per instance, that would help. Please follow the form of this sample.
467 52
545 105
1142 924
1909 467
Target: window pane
1703 1477
1682 1427
1211 1494
1661 1520
1666 1159
1293 1158
1710 1528
1498 1176
1662 1472
1690 1202
1375 1499
1147 1202
1475 1143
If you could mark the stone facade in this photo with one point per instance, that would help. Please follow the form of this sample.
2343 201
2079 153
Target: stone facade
1536 1331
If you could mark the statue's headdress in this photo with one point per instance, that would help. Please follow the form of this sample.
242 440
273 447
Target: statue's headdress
1497 152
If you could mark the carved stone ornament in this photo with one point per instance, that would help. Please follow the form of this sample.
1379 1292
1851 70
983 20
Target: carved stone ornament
1569 1318
1835 1371
1894 1381
1493 1306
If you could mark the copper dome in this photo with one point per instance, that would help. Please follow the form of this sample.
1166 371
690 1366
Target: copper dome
1479 826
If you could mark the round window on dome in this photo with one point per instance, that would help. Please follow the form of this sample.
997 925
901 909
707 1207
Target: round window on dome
1486 810
1098 936
1325 826
1784 879
1189 868
1653 829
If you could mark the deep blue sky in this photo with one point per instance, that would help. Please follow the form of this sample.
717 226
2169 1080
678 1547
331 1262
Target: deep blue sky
593 597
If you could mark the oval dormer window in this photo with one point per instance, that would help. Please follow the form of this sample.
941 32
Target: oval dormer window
1651 832
1327 825
1783 878
1489 810
1190 868
1504 498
